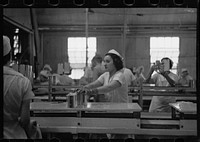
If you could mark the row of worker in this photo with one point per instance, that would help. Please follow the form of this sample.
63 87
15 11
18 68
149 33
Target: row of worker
111 84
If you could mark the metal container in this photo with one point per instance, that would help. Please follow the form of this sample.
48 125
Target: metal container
54 80
191 83
80 98
72 100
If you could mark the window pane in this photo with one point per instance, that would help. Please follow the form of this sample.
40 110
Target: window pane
77 73
165 47
77 54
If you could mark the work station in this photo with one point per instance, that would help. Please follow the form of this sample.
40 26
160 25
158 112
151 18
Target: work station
129 73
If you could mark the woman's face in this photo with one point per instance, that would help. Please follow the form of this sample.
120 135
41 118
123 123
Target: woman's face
108 63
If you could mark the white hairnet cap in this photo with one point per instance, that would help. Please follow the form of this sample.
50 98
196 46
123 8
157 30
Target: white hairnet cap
115 52
184 70
6 45
44 73
47 67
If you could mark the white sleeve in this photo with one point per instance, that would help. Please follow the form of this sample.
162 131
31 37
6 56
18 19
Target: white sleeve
120 77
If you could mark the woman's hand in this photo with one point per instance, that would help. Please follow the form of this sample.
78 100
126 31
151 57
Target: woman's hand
161 69
87 91
153 68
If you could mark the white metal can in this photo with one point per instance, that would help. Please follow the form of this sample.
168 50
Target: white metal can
72 100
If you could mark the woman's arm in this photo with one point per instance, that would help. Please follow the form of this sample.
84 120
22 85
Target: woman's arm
94 84
107 88
103 89
171 81
148 78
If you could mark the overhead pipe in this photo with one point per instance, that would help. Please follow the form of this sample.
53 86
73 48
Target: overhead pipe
124 37
36 38
86 35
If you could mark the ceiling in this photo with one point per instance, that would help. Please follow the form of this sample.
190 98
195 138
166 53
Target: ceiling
116 19
116 16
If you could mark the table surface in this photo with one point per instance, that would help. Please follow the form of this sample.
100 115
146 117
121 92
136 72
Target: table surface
105 107
185 107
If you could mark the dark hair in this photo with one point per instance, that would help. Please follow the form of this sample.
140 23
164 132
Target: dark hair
117 61
6 58
170 61
97 58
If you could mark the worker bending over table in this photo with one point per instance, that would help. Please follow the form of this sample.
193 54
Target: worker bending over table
112 83
162 77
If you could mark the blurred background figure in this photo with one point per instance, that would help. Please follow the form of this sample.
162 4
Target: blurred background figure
185 79
97 70
87 77
97 67
139 76
47 68
63 79
43 77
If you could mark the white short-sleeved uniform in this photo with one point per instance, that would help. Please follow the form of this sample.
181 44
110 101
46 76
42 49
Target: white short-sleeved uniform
128 75
161 103
117 95
17 88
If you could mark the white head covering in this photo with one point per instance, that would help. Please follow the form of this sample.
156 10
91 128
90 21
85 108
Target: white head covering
184 70
47 67
115 52
6 45
44 73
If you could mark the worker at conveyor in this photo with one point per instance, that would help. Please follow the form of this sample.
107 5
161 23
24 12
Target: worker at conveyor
97 67
139 76
87 76
92 73
112 83
185 79
97 70
17 94
57 79
162 77
44 74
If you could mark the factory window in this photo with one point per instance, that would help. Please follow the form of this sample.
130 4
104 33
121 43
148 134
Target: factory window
77 54
16 44
165 47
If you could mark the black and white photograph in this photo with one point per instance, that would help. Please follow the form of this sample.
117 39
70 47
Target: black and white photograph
101 73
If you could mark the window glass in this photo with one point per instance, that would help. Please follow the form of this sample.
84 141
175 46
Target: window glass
165 47
77 54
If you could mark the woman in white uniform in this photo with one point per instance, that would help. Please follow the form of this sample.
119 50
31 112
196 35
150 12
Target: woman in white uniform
163 78
17 93
112 83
